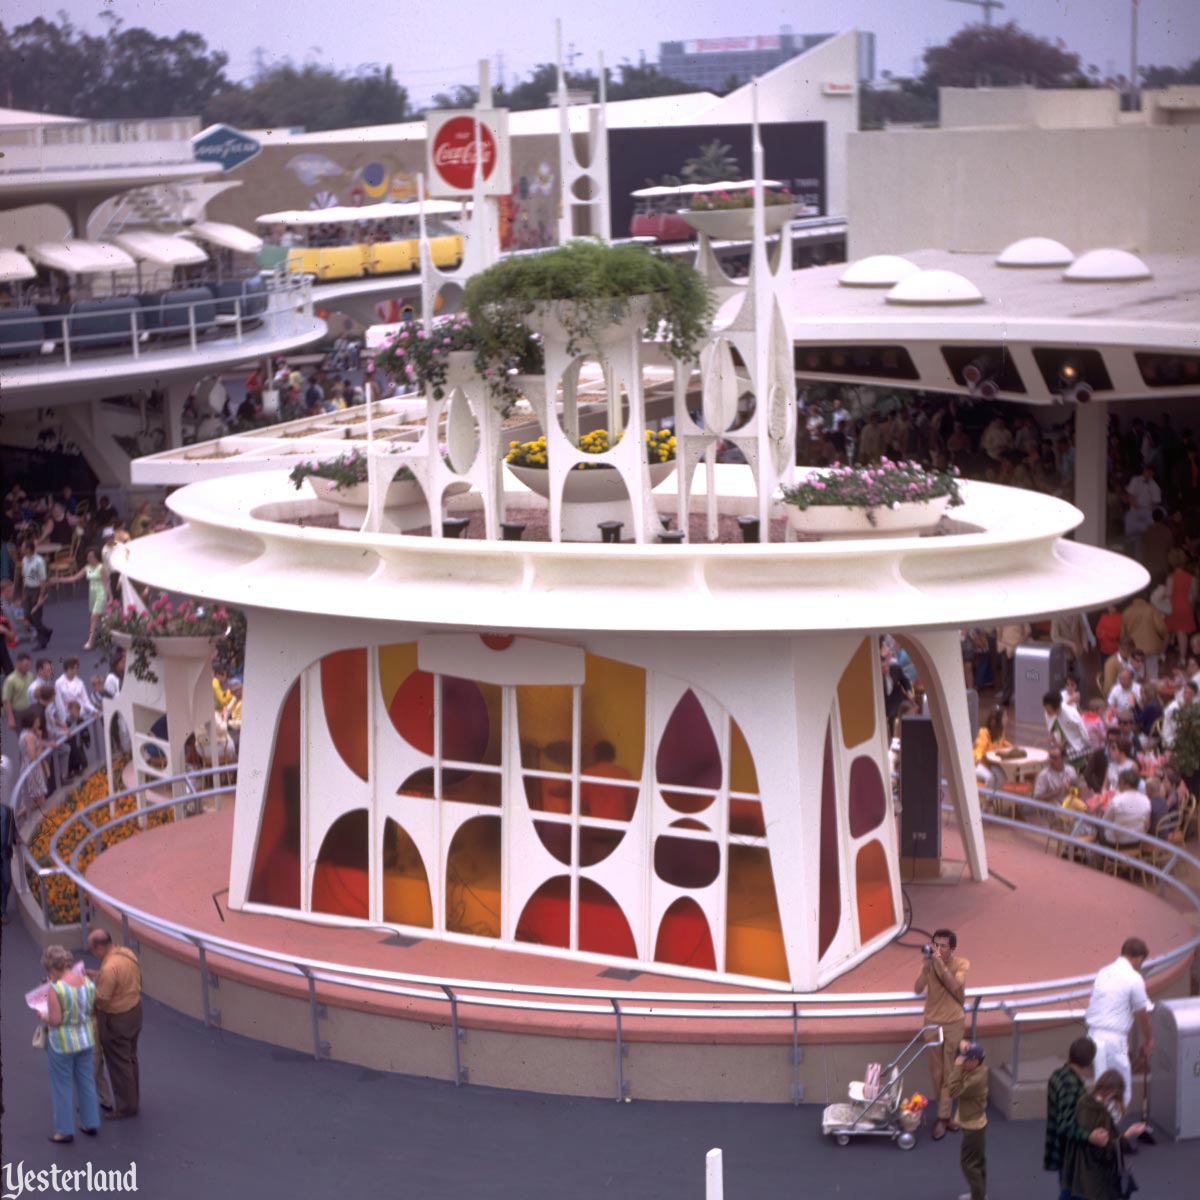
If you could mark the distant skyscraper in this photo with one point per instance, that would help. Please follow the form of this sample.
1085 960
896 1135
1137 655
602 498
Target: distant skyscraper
712 62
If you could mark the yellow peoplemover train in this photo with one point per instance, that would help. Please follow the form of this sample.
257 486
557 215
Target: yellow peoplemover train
347 243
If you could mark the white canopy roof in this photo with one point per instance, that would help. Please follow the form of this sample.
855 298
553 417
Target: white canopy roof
78 257
241 241
370 212
162 249
14 266
691 189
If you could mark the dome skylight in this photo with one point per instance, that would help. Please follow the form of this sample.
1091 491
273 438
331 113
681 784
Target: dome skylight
1107 265
878 270
935 287
1035 252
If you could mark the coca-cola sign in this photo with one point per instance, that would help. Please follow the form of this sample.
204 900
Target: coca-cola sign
452 148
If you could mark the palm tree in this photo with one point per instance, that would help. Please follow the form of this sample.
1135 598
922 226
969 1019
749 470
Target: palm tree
714 163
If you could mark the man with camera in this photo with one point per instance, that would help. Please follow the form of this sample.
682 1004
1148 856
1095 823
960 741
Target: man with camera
943 980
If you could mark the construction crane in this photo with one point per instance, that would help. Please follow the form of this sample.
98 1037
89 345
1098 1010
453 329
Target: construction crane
986 5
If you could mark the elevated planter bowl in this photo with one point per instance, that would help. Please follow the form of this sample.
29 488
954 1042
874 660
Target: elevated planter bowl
737 224
405 501
590 497
837 521
170 646
595 486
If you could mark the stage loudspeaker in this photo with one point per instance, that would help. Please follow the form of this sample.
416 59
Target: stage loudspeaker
972 706
920 790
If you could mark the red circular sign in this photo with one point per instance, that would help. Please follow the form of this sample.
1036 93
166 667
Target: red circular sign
454 152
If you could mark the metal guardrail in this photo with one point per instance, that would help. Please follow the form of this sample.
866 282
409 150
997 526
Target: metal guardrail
144 329
1022 1003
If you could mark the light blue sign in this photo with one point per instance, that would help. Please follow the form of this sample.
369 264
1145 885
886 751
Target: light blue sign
225 146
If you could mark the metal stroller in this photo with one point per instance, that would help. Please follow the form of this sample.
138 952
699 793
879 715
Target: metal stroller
879 1117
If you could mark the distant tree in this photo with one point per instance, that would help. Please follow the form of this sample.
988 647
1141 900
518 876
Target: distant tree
313 96
1161 77
905 105
50 66
639 81
460 96
999 55
714 163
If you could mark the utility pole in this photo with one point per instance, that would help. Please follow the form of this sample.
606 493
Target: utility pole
1133 55
987 6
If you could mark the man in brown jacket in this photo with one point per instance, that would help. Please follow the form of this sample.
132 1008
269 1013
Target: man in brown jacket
119 1017
1146 628
943 981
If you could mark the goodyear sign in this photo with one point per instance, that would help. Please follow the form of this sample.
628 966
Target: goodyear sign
225 146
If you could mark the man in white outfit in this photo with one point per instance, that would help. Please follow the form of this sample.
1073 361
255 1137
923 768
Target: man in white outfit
1118 999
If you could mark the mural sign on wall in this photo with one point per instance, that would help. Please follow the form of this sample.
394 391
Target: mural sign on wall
225 146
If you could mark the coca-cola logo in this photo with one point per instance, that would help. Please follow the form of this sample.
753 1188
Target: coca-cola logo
454 152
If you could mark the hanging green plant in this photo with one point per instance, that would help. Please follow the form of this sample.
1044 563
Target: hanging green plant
600 281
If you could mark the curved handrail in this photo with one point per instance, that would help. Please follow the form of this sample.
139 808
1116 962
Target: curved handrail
994 998
61 333
58 743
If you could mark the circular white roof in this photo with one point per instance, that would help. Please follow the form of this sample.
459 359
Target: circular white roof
1035 252
878 270
240 545
1106 265
935 287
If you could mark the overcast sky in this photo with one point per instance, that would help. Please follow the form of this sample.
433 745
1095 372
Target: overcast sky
432 46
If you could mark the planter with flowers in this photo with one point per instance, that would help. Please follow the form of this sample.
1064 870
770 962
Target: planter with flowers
730 214
592 492
588 299
343 482
578 292
887 498
168 630
453 353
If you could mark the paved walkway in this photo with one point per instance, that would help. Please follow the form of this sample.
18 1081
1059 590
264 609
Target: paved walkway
224 1116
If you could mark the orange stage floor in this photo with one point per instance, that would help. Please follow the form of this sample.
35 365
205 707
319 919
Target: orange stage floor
1056 919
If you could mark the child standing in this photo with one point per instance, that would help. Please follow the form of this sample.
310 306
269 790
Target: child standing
969 1086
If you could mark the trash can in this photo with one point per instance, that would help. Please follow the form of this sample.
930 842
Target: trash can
1038 667
1175 1086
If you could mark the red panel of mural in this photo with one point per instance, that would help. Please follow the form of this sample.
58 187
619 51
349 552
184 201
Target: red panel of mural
684 937
688 755
344 699
546 920
876 908
603 928
868 805
276 875
340 880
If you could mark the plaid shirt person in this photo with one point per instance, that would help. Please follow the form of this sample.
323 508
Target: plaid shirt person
1062 1096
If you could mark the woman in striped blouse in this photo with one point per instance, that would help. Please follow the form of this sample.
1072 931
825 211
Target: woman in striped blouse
69 1047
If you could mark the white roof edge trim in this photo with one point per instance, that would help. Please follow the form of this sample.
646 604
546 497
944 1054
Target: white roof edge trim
78 257
1035 252
230 237
15 266
161 249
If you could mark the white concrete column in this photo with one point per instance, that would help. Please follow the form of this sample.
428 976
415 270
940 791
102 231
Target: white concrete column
175 396
1091 470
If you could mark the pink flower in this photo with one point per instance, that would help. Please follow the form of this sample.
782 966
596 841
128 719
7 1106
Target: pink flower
445 341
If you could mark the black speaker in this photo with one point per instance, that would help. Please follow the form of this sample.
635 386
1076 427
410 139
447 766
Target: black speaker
920 791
